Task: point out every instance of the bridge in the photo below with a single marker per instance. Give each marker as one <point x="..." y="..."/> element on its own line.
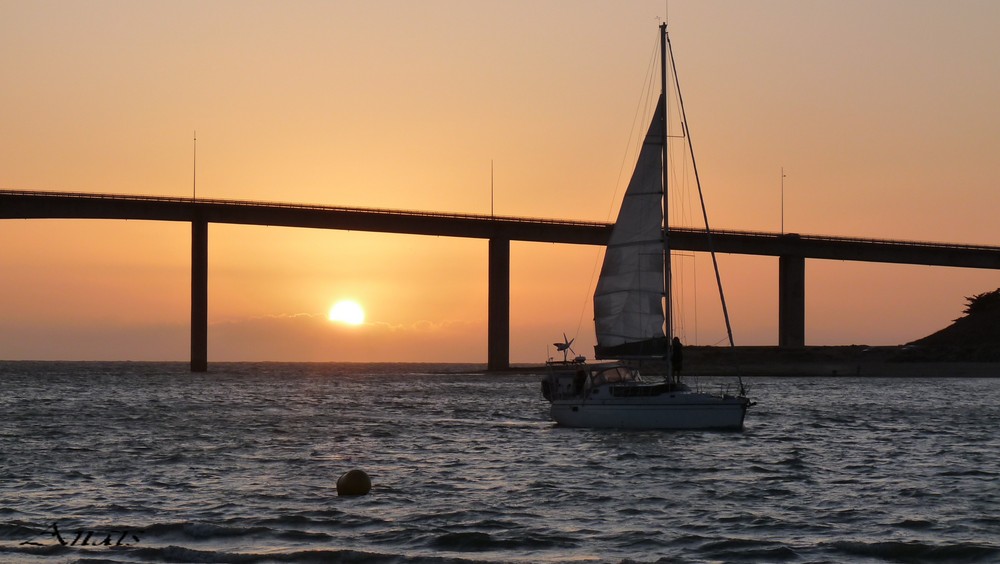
<point x="791" y="249"/>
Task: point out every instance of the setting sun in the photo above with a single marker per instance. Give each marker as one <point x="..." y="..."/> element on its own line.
<point x="348" y="312"/>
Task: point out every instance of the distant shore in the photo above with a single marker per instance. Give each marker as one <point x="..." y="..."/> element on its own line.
<point x="824" y="361"/>
<point x="854" y="360"/>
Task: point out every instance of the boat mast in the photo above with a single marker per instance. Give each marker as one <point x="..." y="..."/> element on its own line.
<point x="668" y="307"/>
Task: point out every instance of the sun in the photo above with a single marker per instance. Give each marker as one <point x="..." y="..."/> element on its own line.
<point x="348" y="312"/>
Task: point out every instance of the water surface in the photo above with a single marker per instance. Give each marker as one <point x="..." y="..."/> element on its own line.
<point x="240" y="465"/>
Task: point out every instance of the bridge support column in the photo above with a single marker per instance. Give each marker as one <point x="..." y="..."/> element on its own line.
<point x="791" y="301"/>
<point x="199" y="295"/>
<point x="498" y="332"/>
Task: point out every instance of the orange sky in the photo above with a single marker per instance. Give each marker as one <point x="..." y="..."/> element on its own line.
<point x="883" y="114"/>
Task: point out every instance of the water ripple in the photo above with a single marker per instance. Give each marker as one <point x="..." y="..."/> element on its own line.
<point x="240" y="465"/>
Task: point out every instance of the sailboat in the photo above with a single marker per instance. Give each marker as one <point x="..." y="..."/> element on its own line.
<point x="632" y="318"/>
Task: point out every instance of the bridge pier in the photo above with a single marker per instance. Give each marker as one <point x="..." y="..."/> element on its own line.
<point x="498" y="322"/>
<point x="199" y="295"/>
<point x="791" y="301"/>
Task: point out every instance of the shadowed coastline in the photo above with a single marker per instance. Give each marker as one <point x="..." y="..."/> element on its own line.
<point x="854" y="360"/>
<point x="969" y="347"/>
<point x="851" y="360"/>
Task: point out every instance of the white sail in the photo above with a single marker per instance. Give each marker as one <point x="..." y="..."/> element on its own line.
<point x="628" y="301"/>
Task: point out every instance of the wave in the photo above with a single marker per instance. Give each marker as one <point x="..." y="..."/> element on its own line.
<point x="239" y="465"/>
<point x="174" y="553"/>
<point x="748" y="551"/>
<point x="477" y="541"/>
<point x="915" y="551"/>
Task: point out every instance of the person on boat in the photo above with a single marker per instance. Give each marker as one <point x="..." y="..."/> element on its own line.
<point x="676" y="358"/>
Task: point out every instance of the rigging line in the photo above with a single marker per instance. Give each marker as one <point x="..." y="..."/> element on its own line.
<point x="683" y="213"/>
<point x="668" y="307"/>
<point x="642" y="104"/>
<point x="681" y="207"/>
<point x="701" y="196"/>
<point x="694" y="268"/>
<point x="681" y="198"/>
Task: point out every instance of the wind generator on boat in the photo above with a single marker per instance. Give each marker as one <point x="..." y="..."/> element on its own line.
<point x="632" y="313"/>
<point x="566" y="347"/>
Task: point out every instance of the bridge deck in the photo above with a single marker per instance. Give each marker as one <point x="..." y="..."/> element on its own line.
<point x="67" y="205"/>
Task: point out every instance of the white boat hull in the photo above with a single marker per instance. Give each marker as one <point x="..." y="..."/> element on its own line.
<point x="687" y="410"/>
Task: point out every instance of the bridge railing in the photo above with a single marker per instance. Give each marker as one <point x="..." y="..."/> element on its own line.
<point x="839" y="239"/>
<point x="299" y="206"/>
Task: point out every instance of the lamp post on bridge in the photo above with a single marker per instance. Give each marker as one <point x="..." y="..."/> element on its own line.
<point x="782" y="200"/>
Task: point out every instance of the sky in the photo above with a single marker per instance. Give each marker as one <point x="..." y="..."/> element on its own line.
<point x="881" y="113"/>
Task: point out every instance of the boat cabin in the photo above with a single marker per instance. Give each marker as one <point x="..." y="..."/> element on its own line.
<point x="602" y="381"/>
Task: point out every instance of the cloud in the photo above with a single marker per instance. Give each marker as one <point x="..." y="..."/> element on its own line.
<point x="311" y="337"/>
<point x="94" y="342"/>
<point x="298" y="337"/>
<point x="303" y="337"/>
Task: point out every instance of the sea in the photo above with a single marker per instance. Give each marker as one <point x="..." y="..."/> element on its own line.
<point x="148" y="462"/>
